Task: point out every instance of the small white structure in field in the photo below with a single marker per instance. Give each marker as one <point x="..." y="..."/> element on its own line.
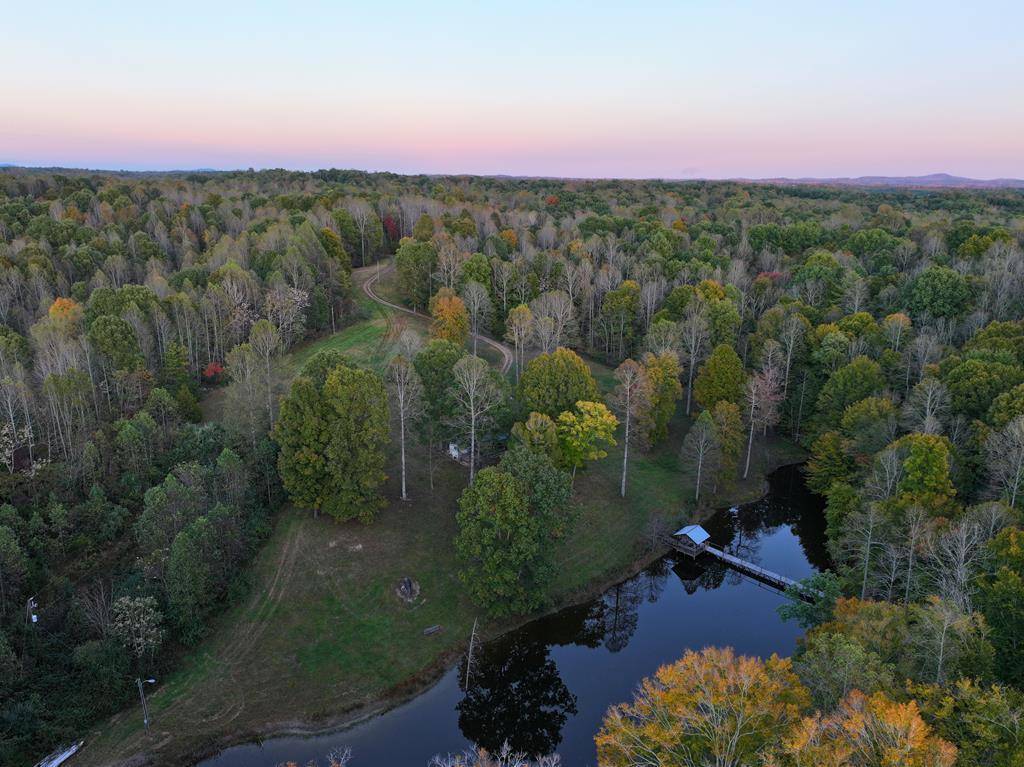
<point x="458" y="453"/>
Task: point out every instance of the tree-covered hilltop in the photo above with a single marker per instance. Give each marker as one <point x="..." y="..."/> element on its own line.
<point x="881" y="329"/>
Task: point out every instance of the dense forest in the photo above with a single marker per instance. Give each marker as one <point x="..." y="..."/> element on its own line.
<point x="879" y="329"/>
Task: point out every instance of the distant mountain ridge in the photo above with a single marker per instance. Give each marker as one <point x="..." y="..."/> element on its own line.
<point x="930" y="181"/>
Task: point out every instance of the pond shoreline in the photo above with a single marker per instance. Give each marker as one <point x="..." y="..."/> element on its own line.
<point x="429" y="676"/>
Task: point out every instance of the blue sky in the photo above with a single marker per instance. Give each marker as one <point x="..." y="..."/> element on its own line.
<point x="583" y="89"/>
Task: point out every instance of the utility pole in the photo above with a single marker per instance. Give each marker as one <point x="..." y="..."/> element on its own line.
<point x="145" y="706"/>
<point x="469" y="656"/>
<point x="30" y="611"/>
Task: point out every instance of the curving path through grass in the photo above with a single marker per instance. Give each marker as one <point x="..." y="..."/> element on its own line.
<point x="505" y="351"/>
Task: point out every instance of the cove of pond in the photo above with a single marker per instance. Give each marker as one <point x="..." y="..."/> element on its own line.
<point x="545" y="687"/>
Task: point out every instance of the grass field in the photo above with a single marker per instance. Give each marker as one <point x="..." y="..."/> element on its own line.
<point x="323" y="634"/>
<point x="368" y="340"/>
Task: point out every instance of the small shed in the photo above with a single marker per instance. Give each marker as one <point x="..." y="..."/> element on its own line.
<point x="692" y="539"/>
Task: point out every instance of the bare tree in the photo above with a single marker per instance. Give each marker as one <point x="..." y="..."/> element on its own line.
<point x="695" y="338"/>
<point x="915" y="528"/>
<point x="856" y="295"/>
<point x="266" y="345"/>
<point x="890" y="567"/>
<point x="17" y="430"/>
<point x="361" y="213"/>
<point x="477" y="393"/>
<point x="955" y="557"/>
<point x="478" y="304"/>
<point x="701" y="450"/>
<point x="555" y="324"/>
<point x="544" y="335"/>
<point x="862" y="536"/>
<point x="895" y="327"/>
<point x="762" y="405"/>
<point x="927" y="407"/>
<point x="923" y="351"/>
<point x="407" y="395"/>
<point x="991" y="517"/>
<point x="943" y="634"/>
<point x="96" y="602"/>
<point x="504" y="757"/>
<point x="286" y="307"/>
<point x="519" y="329"/>
<point x="651" y="294"/>
<point x="791" y="337"/>
<point x="632" y="400"/>
<point x="885" y="475"/>
<point x="449" y="264"/>
<point x="1005" y="450"/>
<point x="408" y="344"/>
<point x="663" y="337"/>
<point x="502" y="274"/>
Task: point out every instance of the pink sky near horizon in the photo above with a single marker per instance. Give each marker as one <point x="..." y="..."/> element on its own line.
<point x="812" y="93"/>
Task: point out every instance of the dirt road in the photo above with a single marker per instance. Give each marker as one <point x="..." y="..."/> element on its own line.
<point x="505" y="351"/>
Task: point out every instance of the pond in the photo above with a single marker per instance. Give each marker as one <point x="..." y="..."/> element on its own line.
<point x="545" y="687"/>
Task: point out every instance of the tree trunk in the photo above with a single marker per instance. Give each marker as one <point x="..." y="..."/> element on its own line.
<point x="401" y="429"/>
<point x="750" y="442"/>
<point x="270" y="395"/>
<point x="910" y="572"/>
<point x="700" y="465"/>
<point x="800" y="410"/>
<point x="942" y="651"/>
<point x="689" y="384"/>
<point x="472" y="447"/>
<point x="867" y="556"/>
<point x="785" y="381"/>
<point x="625" y="454"/>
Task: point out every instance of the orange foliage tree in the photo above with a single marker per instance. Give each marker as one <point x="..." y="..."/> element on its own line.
<point x="710" y="707"/>
<point x="451" y="320"/>
<point x="65" y="311"/>
<point x="865" y="732"/>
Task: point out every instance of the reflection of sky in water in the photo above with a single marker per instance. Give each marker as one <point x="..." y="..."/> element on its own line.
<point x="550" y="683"/>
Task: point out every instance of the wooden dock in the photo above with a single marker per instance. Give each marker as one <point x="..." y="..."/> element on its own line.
<point x="758" y="573"/>
<point x="781" y="582"/>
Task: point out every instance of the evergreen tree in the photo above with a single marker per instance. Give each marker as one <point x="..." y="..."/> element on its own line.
<point x="720" y="378"/>
<point x="554" y="383"/>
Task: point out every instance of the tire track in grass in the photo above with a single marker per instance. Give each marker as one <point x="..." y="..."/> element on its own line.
<point x="248" y="632"/>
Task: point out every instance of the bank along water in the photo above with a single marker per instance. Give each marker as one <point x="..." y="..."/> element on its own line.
<point x="546" y="686"/>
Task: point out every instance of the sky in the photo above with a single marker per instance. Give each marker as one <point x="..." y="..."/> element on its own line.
<point x="582" y="89"/>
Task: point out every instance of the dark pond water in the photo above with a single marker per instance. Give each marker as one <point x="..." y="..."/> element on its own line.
<point x="546" y="687"/>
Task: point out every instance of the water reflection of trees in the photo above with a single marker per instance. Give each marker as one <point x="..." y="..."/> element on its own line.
<point x="515" y="694"/>
<point x="788" y="502"/>
<point x="708" y="574"/>
<point x="740" y="531"/>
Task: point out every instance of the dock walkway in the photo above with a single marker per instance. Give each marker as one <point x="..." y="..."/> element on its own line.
<point x="775" y="580"/>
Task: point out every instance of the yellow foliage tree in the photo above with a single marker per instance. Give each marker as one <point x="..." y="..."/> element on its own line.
<point x="710" y="707"/>
<point x="584" y="432"/>
<point x="663" y="370"/>
<point x="451" y="320"/>
<point x="510" y="238"/>
<point x="865" y="732"/>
